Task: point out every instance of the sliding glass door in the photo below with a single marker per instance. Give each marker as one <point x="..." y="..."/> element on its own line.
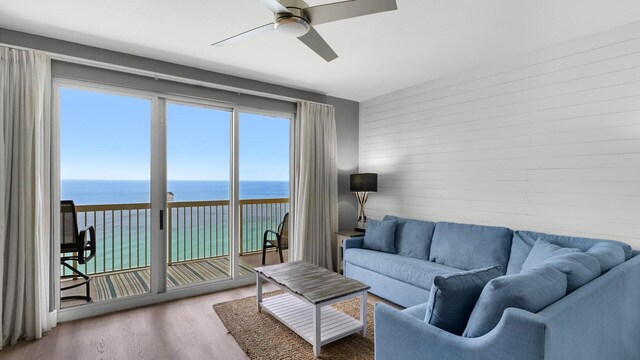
<point x="178" y="191"/>
<point x="198" y="197"/>
<point x="264" y="142"/>
<point x="104" y="185"/>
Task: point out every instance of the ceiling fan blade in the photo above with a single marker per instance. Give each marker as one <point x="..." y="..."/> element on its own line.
<point x="316" y="43"/>
<point x="348" y="9"/>
<point x="259" y="30"/>
<point x="275" y="6"/>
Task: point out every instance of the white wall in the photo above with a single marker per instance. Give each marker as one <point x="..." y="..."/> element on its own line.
<point x="548" y="142"/>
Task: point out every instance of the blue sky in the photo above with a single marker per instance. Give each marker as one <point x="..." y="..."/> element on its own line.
<point x="107" y="137"/>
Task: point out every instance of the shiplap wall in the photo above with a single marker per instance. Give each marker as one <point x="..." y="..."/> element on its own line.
<point x="547" y="142"/>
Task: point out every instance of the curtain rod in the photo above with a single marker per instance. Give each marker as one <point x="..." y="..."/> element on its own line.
<point x="315" y="102"/>
<point x="158" y="76"/>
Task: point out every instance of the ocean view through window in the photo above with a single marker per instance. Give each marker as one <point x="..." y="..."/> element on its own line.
<point x="105" y="165"/>
<point x="91" y="192"/>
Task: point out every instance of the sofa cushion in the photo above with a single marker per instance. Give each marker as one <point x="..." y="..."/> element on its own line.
<point x="413" y="237"/>
<point x="531" y="290"/>
<point x="542" y="251"/>
<point x="470" y="247"/>
<point x="380" y="236"/>
<point x="417" y="311"/>
<point x="453" y="297"/>
<point x="523" y="242"/>
<point x="608" y="254"/>
<point x="580" y="268"/>
<point x="416" y="272"/>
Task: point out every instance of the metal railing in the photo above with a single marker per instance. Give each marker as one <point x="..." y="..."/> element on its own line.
<point x="196" y="230"/>
<point x="257" y="216"/>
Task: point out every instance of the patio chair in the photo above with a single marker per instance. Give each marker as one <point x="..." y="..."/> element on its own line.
<point x="280" y="242"/>
<point x="75" y="242"/>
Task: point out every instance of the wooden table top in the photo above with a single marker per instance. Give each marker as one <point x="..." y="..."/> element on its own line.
<point x="314" y="283"/>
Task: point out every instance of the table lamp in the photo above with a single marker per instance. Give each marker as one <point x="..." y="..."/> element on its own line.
<point x="362" y="185"/>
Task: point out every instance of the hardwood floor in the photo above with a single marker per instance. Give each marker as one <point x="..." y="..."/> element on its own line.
<point x="181" y="329"/>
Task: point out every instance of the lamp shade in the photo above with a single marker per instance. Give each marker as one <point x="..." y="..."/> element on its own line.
<point x="364" y="183"/>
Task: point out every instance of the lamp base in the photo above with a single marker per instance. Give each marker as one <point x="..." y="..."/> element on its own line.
<point x="362" y="218"/>
<point x="361" y="225"/>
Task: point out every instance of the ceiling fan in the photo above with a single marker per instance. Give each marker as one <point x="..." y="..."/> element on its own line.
<point x="296" y="18"/>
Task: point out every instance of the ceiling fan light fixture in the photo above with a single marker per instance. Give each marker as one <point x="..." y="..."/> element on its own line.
<point x="293" y="26"/>
<point x="297" y="19"/>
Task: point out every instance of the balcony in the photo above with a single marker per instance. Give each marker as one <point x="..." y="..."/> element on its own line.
<point x="198" y="243"/>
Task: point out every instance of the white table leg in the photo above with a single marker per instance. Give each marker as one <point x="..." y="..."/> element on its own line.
<point x="317" y="319"/>
<point x="363" y="312"/>
<point x="259" y="288"/>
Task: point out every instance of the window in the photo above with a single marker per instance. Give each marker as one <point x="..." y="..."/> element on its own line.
<point x="176" y="196"/>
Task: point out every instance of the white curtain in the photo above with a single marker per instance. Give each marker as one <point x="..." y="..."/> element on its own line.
<point x="24" y="196"/>
<point x="315" y="184"/>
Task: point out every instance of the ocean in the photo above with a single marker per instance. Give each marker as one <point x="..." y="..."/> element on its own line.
<point x="89" y="192"/>
<point x="123" y="233"/>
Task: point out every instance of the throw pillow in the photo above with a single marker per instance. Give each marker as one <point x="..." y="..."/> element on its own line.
<point x="453" y="297"/>
<point x="413" y="237"/>
<point x="468" y="246"/>
<point x="608" y="254"/>
<point x="380" y="236"/>
<point x="542" y="251"/>
<point x="531" y="290"/>
<point x="580" y="268"/>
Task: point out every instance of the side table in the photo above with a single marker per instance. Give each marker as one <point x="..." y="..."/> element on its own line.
<point x="341" y="236"/>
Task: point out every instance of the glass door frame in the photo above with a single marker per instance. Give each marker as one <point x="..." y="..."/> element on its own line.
<point x="234" y="178"/>
<point x="291" y="117"/>
<point x="158" y="197"/>
<point x="211" y="105"/>
<point x="58" y="83"/>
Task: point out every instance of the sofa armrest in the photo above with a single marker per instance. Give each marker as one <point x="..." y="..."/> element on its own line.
<point x="600" y="320"/>
<point x="353" y="243"/>
<point x="519" y="335"/>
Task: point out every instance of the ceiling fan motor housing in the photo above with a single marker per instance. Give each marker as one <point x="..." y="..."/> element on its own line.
<point x="296" y="23"/>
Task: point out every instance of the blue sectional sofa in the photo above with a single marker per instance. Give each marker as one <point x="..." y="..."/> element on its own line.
<point x="599" y="320"/>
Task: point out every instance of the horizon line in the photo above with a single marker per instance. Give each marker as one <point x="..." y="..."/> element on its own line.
<point x="171" y="180"/>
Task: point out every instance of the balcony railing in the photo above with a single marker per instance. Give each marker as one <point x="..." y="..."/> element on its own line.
<point x="196" y="230"/>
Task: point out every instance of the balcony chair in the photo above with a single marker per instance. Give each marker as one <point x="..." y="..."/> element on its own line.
<point x="280" y="242"/>
<point x="75" y="242"/>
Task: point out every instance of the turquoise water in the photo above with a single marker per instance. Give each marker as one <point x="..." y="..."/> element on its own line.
<point x="123" y="237"/>
<point x="85" y="192"/>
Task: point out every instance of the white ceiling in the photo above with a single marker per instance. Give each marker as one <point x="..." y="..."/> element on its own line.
<point x="422" y="41"/>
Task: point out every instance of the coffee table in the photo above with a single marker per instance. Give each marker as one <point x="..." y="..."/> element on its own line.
<point x="309" y="289"/>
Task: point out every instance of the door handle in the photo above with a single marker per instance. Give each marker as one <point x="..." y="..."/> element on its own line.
<point x="161" y="219"/>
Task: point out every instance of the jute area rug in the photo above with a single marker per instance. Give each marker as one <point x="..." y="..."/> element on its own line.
<point x="263" y="337"/>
